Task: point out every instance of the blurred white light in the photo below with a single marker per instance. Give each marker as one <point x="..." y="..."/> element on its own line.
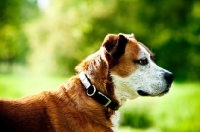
<point x="43" y="4"/>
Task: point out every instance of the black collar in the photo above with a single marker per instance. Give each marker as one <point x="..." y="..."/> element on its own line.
<point x="96" y="94"/>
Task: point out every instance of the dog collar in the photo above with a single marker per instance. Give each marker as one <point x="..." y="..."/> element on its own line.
<point x="96" y="94"/>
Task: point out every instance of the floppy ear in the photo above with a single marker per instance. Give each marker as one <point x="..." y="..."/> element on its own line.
<point x="114" y="46"/>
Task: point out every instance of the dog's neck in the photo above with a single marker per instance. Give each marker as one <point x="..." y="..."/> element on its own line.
<point x="96" y="69"/>
<point x="97" y="95"/>
<point x="121" y="92"/>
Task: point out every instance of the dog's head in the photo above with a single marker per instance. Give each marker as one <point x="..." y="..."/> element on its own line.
<point x="132" y="68"/>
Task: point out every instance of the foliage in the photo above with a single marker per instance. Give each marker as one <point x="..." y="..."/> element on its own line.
<point x="13" y="42"/>
<point x="136" y="117"/>
<point x="63" y="34"/>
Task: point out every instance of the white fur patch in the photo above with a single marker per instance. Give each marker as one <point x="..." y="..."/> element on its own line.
<point x="115" y="120"/>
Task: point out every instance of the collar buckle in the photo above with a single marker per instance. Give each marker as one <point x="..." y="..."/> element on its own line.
<point x="108" y="100"/>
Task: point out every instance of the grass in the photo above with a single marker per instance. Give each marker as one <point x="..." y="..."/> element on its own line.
<point x="15" y="86"/>
<point x="177" y="111"/>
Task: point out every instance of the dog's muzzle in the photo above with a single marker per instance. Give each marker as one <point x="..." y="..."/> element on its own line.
<point x="169" y="77"/>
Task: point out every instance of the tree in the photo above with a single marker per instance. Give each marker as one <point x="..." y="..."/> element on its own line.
<point x="13" y="42"/>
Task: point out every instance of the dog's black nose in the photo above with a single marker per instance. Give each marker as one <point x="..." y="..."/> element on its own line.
<point x="169" y="77"/>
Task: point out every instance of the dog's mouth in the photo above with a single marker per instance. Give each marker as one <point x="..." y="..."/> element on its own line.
<point x="144" y="93"/>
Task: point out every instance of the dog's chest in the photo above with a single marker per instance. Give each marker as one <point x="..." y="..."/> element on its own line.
<point x="115" y="120"/>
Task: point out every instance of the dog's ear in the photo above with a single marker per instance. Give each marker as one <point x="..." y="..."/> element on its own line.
<point x="114" y="45"/>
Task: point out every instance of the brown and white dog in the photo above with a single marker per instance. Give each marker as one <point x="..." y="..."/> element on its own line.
<point x="122" y="69"/>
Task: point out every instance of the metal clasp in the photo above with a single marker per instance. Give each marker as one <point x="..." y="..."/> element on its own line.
<point x="91" y="90"/>
<point x="108" y="102"/>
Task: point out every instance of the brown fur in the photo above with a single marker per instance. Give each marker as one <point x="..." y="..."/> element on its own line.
<point x="68" y="108"/>
<point x="126" y="66"/>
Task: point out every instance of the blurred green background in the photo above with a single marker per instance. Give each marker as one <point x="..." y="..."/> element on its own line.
<point x="41" y="41"/>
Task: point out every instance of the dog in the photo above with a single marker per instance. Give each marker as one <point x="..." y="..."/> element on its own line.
<point x="121" y="69"/>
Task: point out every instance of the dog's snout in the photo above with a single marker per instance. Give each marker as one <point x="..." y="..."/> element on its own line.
<point x="169" y="77"/>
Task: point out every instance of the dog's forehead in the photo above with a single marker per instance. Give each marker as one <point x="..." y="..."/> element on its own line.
<point x="146" y="50"/>
<point x="141" y="47"/>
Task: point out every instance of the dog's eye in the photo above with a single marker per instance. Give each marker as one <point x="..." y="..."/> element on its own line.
<point x="142" y="61"/>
